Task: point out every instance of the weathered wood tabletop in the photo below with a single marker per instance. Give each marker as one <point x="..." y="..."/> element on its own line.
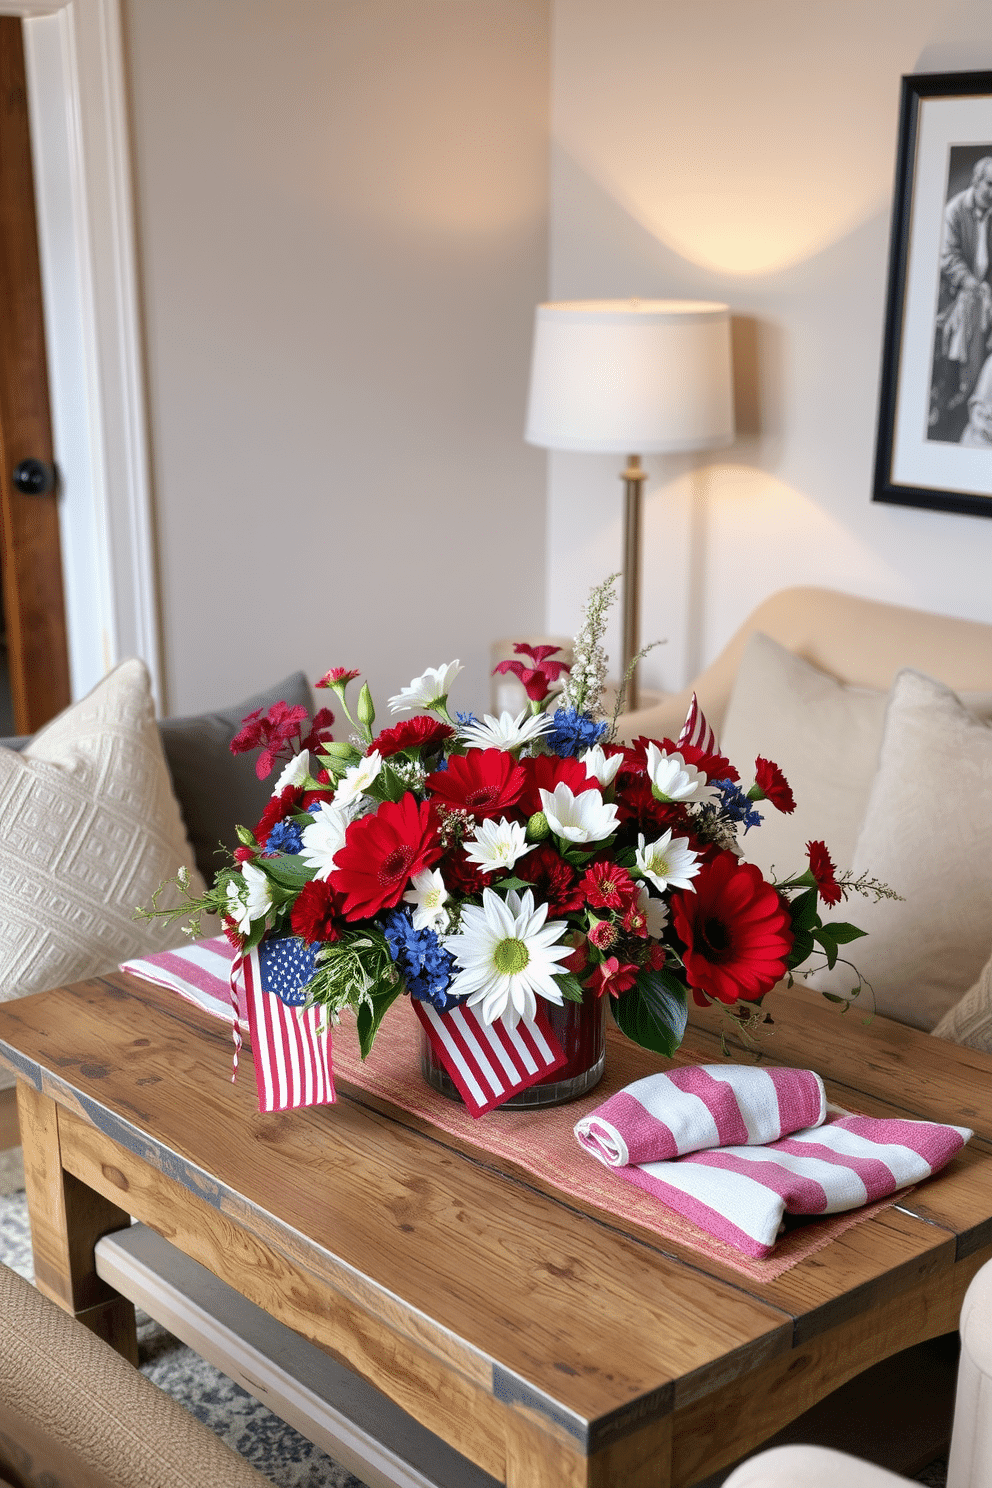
<point x="547" y="1344"/>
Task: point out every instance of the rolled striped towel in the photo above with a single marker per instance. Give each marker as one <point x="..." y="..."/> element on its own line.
<point x="742" y="1194"/>
<point x="699" y="1106"/>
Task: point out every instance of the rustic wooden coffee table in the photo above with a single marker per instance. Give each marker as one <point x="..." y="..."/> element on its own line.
<point x="544" y="1343"/>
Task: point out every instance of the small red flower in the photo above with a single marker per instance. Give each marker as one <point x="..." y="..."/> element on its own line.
<point x="608" y="886"/>
<point x="486" y="782"/>
<point x="538" y="677"/>
<point x="320" y="730"/>
<point x="244" y="854"/>
<point x="234" y="937"/>
<point x="381" y="854"/>
<point x="317" y="913"/>
<point x="736" y="931"/>
<point x="421" y="733"/>
<point x="337" y="676"/>
<point x="274" y="732"/>
<point x="603" y="935"/>
<point x="823" y="870"/>
<point x="773" y="786"/>
<point x="612" y="976"/>
<point x="555" y="883"/>
<point x="579" y="959"/>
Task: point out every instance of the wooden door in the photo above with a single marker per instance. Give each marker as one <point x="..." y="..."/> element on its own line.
<point x="30" y="554"/>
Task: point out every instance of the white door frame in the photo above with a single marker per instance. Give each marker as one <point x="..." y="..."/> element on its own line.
<point x="75" y="74"/>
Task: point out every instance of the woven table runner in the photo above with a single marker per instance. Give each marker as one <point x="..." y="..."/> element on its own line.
<point x="540" y="1144"/>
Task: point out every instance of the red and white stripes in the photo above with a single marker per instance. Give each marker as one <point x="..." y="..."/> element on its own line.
<point x="490" y="1062"/>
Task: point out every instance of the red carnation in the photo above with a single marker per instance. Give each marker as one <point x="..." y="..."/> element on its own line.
<point x="603" y="935"/>
<point x="773" y="786"/>
<point x="336" y="676"/>
<point x="608" y="886"/>
<point x="421" y="733"/>
<point x="462" y="876"/>
<point x="316" y="915"/>
<point x="735" y="929"/>
<point x="555" y="883"/>
<point x="544" y="772"/>
<point x="612" y="976"/>
<point x="823" y="870"/>
<point x="277" y="808"/>
<point x="381" y="854"/>
<point x="486" y="782"/>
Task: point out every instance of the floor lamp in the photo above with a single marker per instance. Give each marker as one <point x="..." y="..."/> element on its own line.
<point x="614" y="376"/>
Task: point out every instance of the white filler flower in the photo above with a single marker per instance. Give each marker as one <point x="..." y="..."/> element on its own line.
<point x="600" y="766"/>
<point x="427" y="896"/>
<point x="250" y="899"/>
<point x="507" y="956"/>
<point x="428" y="691"/>
<point x="324" y="838"/>
<point x="582" y="818"/>
<point x="506" y="732"/>
<point x="294" y="773"/>
<point x="668" y="864"/>
<point x="497" y="844"/>
<point x="356" y="781"/>
<point x="674" y="780"/>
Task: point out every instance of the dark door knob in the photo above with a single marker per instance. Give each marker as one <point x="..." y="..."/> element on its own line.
<point x="34" y="477"/>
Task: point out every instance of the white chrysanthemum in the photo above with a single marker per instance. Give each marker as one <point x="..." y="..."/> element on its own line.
<point x="250" y="899"/>
<point x="428" y="896"/>
<point x="582" y="818"/>
<point x="294" y="773"/>
<point x="507" y="956"/>
<point x="655" y="912"/>
<point x="600" y="766"/>
<point x="497" y="844"/>
<point x="324" y="838"/>
<point x="506" y="732"/>
<point x="674" y="780"/>
<point x="668" y="863"/>
<point x="427" y="691"/>
<point x="356" y="780"/>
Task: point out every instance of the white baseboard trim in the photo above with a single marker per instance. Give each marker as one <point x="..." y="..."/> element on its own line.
<point x="353" y="1422"/>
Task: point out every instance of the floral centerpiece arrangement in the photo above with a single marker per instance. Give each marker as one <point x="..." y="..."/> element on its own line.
<point x="511" y="863"/>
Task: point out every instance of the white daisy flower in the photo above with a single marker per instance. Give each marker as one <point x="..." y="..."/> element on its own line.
<point x="356" y="780"/>
<point x="294" y="773"/>
<point x="668" y="864"/>
<point x="428" y="691"/>
<point x="324" y="838"/>
<point x="497" y="844"/>
<point x="674" y="780"/>
<point x="250" y="899"/>
<point x="506" y="732"/>
<point x="655" y="912"/>
<point x="600" y="766"/>
<point x="582" y="818"/>
<point x="427" y="896"/>
<point x="507" y="955"/>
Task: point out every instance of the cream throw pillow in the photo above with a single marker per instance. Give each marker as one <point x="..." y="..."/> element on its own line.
<point x="89" y="827"/>
<point x="970" y="1020"/>
<point x="926" y="833"/>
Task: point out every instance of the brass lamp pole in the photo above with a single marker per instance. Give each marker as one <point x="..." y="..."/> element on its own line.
<point x="633" y="484"/>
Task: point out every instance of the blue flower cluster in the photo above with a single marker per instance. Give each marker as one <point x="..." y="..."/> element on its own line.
<point x="423" y="962"/>
<point x="285" y="837"/>
<point x="573" y="732"/>
<point x="735" y="805"/>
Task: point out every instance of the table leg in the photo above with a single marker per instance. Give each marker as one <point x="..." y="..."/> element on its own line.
<point x="537" y="1457"/>
<point x="67" y="1219"/>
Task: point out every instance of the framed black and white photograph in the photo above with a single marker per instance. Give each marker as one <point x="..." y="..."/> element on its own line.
<point x="934" y="445"/>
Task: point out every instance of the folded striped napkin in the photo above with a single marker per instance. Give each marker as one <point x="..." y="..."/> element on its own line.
<point x="200" y="972"/>
<point x="698" y="1106"/>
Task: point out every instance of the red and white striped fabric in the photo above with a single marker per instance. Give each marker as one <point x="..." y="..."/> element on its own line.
<point x="291" y="1046"/>
<point x="200" y="972"/>
<point x="742" y="1194"/>
<point x="697" y="731"/>
<point x="490" y="1062"/>
<point x="699" y="1106"/>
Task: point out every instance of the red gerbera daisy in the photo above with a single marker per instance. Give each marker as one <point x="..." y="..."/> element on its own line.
<point x="773" y="786"/>
<point x="608" y="886"/>
<point x="381" y="854"/>
<point x="486" y="782"/>
<point x="555" y="883"/>
<point x="422" y="732"/>
<point x="822" y="868"/>
<point x="544" y="772"/>
<point x="316" y="915"/>
<point x="735" y="929"/>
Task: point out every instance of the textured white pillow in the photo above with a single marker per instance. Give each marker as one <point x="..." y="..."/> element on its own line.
<point x="926" y="833"/>
<point x="89" y="827"/>
<point x="970" y="1020"/>
<point x="825" y="737"/>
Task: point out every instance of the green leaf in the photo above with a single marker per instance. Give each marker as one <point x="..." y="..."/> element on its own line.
<point x="832" y="997"/>
<point x="803" y="912"/>
<point x="802" y="949"/>
<point x="513" y="883"/>
<point x="654" y="1012"/>
<point x="824" y="939"/>
<point x="369" y="1018"/>
<point x="287" y="869"/>
<point x="569" y="987"/>
<point x="842" y="932"/>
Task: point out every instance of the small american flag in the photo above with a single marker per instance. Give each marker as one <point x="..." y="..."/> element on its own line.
<point x="697" y="731"/>
<point x="291" y="1045"/>
<point x="490" y="1062"/>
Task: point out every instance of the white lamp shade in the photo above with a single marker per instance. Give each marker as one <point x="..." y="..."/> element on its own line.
<point x="631" y="376"/>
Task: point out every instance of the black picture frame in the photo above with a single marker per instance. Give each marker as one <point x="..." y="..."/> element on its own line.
<point x="945" y="129"/>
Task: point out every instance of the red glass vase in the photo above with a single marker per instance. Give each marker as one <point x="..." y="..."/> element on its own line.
<point x="580" y="1028"/>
